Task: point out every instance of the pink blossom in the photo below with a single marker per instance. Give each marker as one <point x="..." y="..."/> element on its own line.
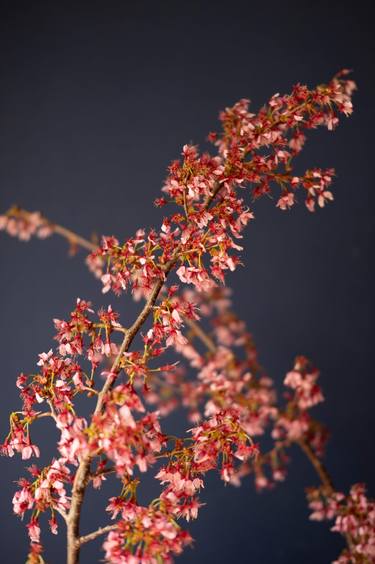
<point x="286" y="202"/>
<point x="34" y="530"/>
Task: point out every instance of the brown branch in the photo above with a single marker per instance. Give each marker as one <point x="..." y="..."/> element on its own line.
<point x="97" y="533"/>
<point x="72" y="237"/>
<point x="61" y="512"/>
<point x="325" y="478"/>
<point x="198" y="332"/>
<point x="103" y="472"/>
<point x="212" y="196"/>
<point x="321" y="470"/>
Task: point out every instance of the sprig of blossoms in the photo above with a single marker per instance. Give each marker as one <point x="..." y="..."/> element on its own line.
<point x="230" y="376"/>
<point x="294" y="422"/>
<point x="279" y="128"/>
<point x="200" y="238"/>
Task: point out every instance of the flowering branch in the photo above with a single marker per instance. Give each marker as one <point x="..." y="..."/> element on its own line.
<point x="230" y="401"/>
<point x="82" y="474"/>
<point x="81" y="477"/>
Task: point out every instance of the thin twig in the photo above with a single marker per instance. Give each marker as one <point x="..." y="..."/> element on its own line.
<point x="198" y="332"/>
<point x="103" y="472"/>
<point x="61" y="512"/>
<point x="321" y="470"/>
<point x="67" y="234"/>
<point x="97" y="533"/>
<point x="73" y="237"/>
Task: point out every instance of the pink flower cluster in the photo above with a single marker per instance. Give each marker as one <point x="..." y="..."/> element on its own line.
<point x="144" y="535"/>
<point x="200" y="238"/>
<point x="307" y="392"/>
<point x="47" y="490"/>
<point x="24" y="225"/>
<point x="280" y="127"/>
<point x="354" y="516"/>
<point x="121" y="438"/>
<point x="294" y="422"/>
<point x="148" y="534"/>
<point x="236" y="381"/>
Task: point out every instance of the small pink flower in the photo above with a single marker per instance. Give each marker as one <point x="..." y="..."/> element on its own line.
<point x="34" y="530"/>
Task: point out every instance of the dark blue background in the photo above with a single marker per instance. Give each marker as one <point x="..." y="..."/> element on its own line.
<point x="96" y="99"/>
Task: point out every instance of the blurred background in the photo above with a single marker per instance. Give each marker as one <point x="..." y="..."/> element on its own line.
<point x="96" y="99"/>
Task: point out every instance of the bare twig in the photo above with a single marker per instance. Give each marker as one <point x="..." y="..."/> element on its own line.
<point x="97" y="533"/>
<point x="321" y="470"/>
<point x="198" y="332"/>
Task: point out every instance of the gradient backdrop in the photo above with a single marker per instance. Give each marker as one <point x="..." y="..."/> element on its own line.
<point x="96" y="99"/>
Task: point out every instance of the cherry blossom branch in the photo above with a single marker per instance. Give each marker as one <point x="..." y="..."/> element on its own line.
<point x="82" y="477"/>
<point x="83" y="473"/>
<point x="202" y="237"/>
